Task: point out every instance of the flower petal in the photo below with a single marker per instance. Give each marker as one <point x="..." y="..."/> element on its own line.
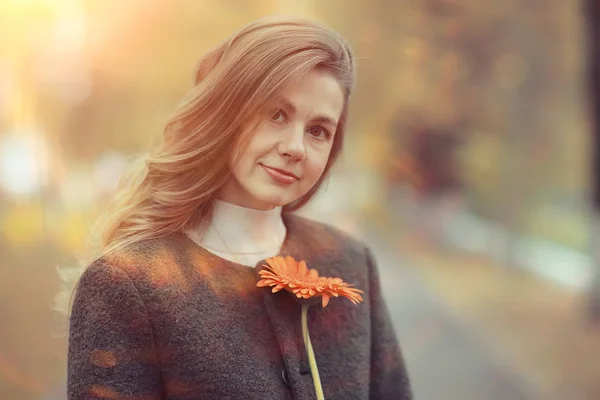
<point x="264" y="272"/>
<point x="302" y="269"/>
<point x="325" y="299"/>
<point x="278" y="288"/>
<point x="271" y="264"/>
<point x="279" y="267"/>
<point x="291" y="265"/>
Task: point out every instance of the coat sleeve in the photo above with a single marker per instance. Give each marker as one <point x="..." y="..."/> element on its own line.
<point x="389" y="378"/>
<point x="112" y="351"/>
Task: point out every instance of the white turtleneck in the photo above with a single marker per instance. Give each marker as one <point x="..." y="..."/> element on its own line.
<point x="242" y="235"/>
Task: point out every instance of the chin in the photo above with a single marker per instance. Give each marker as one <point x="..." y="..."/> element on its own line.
<point x="270" y="202"/>
<point x="272" y="199"/>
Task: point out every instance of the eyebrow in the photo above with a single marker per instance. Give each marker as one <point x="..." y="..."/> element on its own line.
<point x="320" y="118"/>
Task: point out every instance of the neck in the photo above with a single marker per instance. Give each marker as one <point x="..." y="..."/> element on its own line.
<point x="240" y="231"/>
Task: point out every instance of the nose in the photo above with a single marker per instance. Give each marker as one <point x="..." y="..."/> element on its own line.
<point x="291" y="145"/>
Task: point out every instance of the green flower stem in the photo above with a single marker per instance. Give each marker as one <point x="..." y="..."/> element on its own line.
<point x="311" y="354"/>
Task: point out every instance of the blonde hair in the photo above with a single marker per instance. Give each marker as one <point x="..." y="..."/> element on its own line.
<point x="173" y="187"/>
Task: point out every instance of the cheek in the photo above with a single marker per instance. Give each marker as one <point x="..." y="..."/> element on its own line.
<point x="239" y="171"/>
<point x="243" y="164"/>
<point x="316" y="165"/>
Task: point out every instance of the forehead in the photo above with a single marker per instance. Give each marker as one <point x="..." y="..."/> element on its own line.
<point x="317" y="92"/>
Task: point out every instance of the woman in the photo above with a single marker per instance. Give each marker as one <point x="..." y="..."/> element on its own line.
<point x="171" y="309"/>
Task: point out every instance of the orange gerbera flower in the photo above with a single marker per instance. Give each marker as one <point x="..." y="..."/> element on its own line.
<point x="294" y="276"/>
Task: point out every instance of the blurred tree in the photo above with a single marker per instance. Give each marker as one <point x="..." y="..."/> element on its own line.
<point x="478" y="69"/>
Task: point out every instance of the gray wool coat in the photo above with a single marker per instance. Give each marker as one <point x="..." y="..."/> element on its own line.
<point x="167" y="319"/>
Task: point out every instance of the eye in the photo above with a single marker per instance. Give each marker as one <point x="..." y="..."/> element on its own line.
<point x="278" y="116"/>
<point x="319" y="132"/>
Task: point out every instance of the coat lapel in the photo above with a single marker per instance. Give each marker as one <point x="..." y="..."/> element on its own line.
<point x="284" y="311"/>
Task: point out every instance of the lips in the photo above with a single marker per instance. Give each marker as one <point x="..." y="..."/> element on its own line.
<point x="284" y="172"/>
<point x="280" y="175"/>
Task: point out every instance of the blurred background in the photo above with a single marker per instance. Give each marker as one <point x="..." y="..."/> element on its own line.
<point x="469" y="168"/>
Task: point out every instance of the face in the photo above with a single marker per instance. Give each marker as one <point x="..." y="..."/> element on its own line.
<point x="289" y="149"/>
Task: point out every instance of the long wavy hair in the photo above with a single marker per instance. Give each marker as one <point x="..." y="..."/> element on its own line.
<point x="173" y="186"/>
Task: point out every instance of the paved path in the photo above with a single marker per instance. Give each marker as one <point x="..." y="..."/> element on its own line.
<point x="445" y="361"/>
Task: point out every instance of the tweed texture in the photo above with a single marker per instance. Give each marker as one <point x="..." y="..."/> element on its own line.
<point x="166" y="319"/>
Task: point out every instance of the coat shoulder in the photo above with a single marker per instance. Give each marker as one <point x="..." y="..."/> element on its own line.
<point x="327" y="231"/>
<point x="144" y="259"/>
